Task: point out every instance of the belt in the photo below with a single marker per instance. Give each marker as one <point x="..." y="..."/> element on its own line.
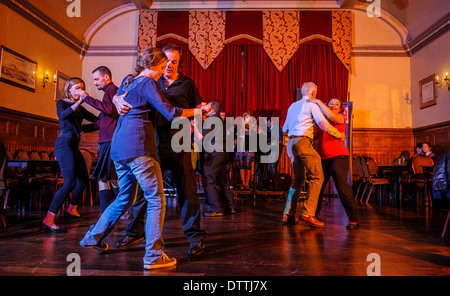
<point x="70" y="135"/>
<point x="295" y="137"/>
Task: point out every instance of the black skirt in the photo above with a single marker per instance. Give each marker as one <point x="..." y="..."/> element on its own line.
<point x="105" y="166"/>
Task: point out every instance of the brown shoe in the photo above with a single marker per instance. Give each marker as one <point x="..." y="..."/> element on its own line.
<point x="312" y="221"/>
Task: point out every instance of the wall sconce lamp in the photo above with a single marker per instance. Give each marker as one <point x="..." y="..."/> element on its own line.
<point x="408" y="99"/>
<point x="443" y="83"/>
<point x="46" y="79"/>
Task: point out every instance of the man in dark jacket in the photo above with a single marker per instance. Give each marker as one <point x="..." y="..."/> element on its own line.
<point x="441" y="178"/>
<point x="215" y="172"/>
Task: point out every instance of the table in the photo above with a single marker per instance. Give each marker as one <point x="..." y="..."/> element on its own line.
<point x="395" y="172"/>
<point x="32" y="164"/>
<point x="28" y="167"/>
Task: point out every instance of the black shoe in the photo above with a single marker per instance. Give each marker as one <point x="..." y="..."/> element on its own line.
<point x="128" y="240"/>
<point x="196" y="249"/>
<point x="101" y="246"/>
<point x="44" y="228"/>
<point x="353" y="225"/>
<point x="291" y="220"/>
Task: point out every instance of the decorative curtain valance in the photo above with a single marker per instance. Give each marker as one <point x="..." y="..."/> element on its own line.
<point x="281" y="32"/>
<point x="342" y="36"/>
<point x="281" y="35"/>
<point x="206" y="35"/>
<point x="148" y="25"/>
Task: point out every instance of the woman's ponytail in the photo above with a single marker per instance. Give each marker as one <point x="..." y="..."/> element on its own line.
<point x="149" y="57"/>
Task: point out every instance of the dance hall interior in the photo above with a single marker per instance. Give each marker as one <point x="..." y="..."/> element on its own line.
<point x="214" y="140"/>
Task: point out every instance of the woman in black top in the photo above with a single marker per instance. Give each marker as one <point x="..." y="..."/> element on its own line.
<point x="67" y="152"/>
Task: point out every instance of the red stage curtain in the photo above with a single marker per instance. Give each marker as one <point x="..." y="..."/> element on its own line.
<point x="267" y="89"/>
<point x="243" y="78"/>
<point x="222" y="80"/>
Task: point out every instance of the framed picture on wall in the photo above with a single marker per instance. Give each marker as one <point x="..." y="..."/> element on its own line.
<point x="17" y="70"/>
<point x="427" y="91"/>
<point x="61" y="80"/>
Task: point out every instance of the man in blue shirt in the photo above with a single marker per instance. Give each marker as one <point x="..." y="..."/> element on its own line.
<point x="299" y="125"/>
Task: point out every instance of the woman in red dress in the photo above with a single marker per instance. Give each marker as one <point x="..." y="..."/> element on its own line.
<point x="335" y="160"/>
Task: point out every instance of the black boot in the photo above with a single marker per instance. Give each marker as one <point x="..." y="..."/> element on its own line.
<point x="105" y="197"/>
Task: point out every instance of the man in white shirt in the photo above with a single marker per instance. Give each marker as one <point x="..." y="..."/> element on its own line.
<point x="299" y="126"/>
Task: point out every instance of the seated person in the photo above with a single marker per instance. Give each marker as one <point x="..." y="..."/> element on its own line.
<point x="419" y="148"/>
<point x="402" y="159"/>
<point x="426" y="148"/>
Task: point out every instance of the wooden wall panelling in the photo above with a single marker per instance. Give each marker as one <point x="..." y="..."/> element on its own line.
<point x="382" y="144"/>
<point x="89" y="141"/>
<point x="19" y="130"/>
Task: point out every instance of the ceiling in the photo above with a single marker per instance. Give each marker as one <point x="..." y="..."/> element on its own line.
<point x="414" y="15"/>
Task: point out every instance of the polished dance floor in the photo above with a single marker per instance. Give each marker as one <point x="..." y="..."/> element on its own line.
<point x="251" y="242"/>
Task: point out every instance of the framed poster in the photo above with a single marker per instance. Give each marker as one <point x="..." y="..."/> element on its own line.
<point x="427" y="91"/>
<point x="61" y="80"/>
<point x="17" y="70"/>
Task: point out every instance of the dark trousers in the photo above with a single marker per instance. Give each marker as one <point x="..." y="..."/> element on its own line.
<point x="215" y="174"/>
<point x="73" y="170"/>
<point x="338" y="169"/>
<point x="184" y="178"/>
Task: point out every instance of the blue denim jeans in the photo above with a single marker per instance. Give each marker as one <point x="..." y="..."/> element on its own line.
<point x="146" y="171"/>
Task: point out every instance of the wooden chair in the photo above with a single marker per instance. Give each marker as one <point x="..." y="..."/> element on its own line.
<point x="444" y="231"/>
<point x="370" y="169"/>
<point x="58" y="181"/>
<point x="33" y="154"/>
<point x="43" y="179"/>
<point x="5" y="183"/>
<point x="8" y="154"/>
<point x="45" y="156"/>
<point x="362" y="178"/>
<point x="21" y="154"/>
<point x="89" y="159"/>
<point x="47" y="176"/>
<point x="355" y="175"/>
<point x="421" y="180"/>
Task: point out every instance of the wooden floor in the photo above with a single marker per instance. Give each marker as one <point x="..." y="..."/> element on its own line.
<point x="251" y="242"/>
